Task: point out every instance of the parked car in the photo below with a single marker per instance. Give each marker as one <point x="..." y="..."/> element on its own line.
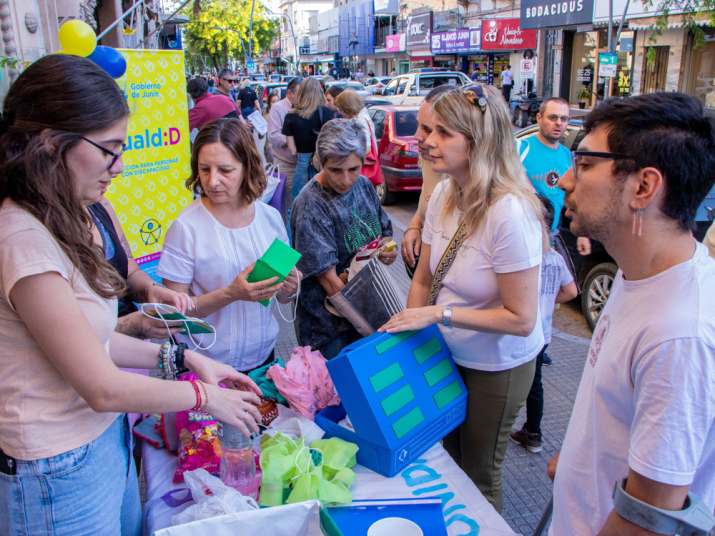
<point x="395" y="128"/>
<point x="357" y="87"/>
<point x="263" y="89"/>
<point x="595" y="273"/>
<point x="411" y="88"/>
<point x="375" y="84"/>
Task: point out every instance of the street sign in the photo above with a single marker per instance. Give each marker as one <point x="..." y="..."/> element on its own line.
<point x="528" y="68"/>
<point x="251" y="65"/>
<point x="607" y="64"/>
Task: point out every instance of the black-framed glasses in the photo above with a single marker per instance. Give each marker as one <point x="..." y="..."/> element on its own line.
<point x="576" y="155"/>
<point x="231" y="80"/>
<point x="115" y="156"/>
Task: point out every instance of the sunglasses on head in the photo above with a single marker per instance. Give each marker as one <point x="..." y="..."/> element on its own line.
<point x="476" y="96"/>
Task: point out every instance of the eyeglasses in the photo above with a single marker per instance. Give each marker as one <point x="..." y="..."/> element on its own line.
<point x="231" y="80"/>
<point x="576" y="155"/>
<point x="475" y="95"/>
<point x="115" y="156"/>
<point x="554" y="118"/>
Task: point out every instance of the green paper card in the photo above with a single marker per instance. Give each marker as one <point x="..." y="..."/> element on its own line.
<point x="278" y="260"/>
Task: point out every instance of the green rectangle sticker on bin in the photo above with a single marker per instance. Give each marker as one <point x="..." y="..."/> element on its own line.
<point x="427" y="350"/>
<point x="386" y="377"/>
<point x="438" y="373"/>
<point x="393" y="341"/>
<point x="397" y="400"/>
<point x="408" y="422"/>
<point x="446" y="395"/>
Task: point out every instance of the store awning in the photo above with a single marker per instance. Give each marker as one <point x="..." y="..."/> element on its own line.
<point x="649" y="23"/>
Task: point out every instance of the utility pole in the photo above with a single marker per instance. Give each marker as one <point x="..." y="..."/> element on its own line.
<point x="250" y="33"/>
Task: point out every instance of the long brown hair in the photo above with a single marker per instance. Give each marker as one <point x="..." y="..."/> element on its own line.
<point x="494" y="166"/>
<point x="237" y="138"/>
<point x="51" y="104"/>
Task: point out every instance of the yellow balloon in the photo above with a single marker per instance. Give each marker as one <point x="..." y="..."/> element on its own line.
<point x="77" y="37"/>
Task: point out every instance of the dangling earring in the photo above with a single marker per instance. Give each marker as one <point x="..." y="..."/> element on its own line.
<point x="637" y="227"/>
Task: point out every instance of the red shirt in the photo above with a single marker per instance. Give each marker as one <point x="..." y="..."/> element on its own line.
<point x="210" y="107"/>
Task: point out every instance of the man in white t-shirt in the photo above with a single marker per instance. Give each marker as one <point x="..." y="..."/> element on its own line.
<point x="507" y="83"/>
<point x="645" y="407"/>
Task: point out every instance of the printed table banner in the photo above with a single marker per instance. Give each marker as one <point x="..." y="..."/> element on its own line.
<point x="506" y="34"/>
<point x="150" y="193"/>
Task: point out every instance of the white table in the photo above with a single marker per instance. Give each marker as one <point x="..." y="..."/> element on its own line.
<point x="434" y="474"/>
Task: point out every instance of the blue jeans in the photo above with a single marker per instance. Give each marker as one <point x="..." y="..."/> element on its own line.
<point x="92" y="489"/>
<point x="304" y="171"/>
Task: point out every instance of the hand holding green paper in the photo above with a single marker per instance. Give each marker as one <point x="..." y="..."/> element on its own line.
<point x="276" y="265"/>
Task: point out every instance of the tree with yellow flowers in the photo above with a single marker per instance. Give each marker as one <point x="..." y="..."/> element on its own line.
<point x="219" y="30"/>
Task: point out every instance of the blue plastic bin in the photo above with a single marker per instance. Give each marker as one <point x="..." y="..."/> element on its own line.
<point x="403" y="393"/>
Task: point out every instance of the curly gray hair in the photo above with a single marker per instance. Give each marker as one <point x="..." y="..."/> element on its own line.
<point x="339" y="138"/>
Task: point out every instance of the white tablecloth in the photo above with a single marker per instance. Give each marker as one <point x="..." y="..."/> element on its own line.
<point x="434" y="474"/>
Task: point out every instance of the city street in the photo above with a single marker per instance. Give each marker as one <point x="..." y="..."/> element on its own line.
<point x="526" y="487"/>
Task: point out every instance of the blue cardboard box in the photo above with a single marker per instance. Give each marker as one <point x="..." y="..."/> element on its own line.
<point x="403" y="393"/>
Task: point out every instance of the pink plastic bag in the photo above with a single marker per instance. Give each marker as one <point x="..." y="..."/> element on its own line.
<point x="199" y="443"/>
<point x="305" y="382"/>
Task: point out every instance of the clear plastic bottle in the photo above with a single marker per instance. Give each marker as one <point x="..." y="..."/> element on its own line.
<point x="238" y="464"/>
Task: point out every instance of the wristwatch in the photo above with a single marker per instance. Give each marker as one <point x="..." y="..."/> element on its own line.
<point x="447" y="316"/>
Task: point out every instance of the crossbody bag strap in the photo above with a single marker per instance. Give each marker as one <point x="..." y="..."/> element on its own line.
<point x="446" y="261"/>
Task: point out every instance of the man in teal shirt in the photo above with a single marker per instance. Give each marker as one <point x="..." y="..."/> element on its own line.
<point x="545" y="159"/>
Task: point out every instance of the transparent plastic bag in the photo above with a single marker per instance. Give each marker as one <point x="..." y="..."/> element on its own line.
<point x="211" y="498"/>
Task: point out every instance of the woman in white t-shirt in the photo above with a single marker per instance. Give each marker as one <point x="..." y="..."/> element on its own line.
<point x="213" y="245"/>
<point x="66" y="463"/>
<point x="487" y="302"/>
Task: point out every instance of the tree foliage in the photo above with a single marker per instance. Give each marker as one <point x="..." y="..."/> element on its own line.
<point x="219" y="30"/>
<point x="693" y="12"/>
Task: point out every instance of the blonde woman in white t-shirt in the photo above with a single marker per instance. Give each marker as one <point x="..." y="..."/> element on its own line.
<point x="66" y="463"/>
<point x="487" y="304"/>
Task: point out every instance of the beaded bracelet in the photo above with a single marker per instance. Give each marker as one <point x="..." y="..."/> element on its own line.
<point x="165" y="364"/>
<point x="179" y="357"/>
<point x="199" y="400"/>
<point x="413" y="228"/>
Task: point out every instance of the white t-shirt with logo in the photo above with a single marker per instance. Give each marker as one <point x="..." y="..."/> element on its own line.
<point x="647" y="396"/>
<point x="509" y="240"/>
<point x="507" y="78"/>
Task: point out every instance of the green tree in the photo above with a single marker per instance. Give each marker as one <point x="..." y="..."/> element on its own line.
<point x="694" y="12"/>
<point x="218" y="29"/>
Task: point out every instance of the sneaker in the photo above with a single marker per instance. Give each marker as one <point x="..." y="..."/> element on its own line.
<point x="532" y="442"/>
<point x="546" y="360"/>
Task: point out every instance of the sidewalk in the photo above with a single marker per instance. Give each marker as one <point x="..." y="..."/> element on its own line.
<point x="526" y="486"/>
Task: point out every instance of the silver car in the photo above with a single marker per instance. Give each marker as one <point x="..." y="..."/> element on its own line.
<point x="411" y="88"/>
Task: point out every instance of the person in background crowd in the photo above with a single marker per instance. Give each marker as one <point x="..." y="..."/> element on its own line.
<point x="484" y="294"/>
<point x="215" y="242"/>
<point x="393" y="72"/>
<point x="65" y="444"/>
<point x="212" y="86"/>
<point x="645" y="407"/>
<point x="301" y="128"/>
<point x="335" y="215"/>
<point x="557" y="286"/>
<point x="545" y="159"/>
<point x="507" y="83"/>
<point x="282" y="156"/>
<point x="273" y="98"/>
<point x="247" y="100"/>
<point x="207" y="107"/>
<point x="475" y="74"/>
<point x="227" y="83"/>
<point x="709" y="240"/>
<point x="331" y="94"/>
<point x="412" y="239"/>
<point x="351" y="106"/>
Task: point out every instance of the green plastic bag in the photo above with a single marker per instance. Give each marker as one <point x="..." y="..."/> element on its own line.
<point x="292" y="472"/>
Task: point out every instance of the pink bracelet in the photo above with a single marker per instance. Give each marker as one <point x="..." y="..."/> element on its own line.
<point x="197" y="392"/>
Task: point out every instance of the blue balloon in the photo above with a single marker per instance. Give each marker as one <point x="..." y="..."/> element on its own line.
<point x="110" y="60"/>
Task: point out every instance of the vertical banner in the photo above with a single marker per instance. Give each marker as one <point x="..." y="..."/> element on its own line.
<point x="150" y="193"/>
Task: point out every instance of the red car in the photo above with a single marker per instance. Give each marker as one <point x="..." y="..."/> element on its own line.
<point x="395" y="128"/>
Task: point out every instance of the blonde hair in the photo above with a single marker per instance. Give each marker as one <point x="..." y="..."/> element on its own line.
<point x="495" y="169"/>
<point x="310" y="96"/>
<point x="349" y="103"/>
